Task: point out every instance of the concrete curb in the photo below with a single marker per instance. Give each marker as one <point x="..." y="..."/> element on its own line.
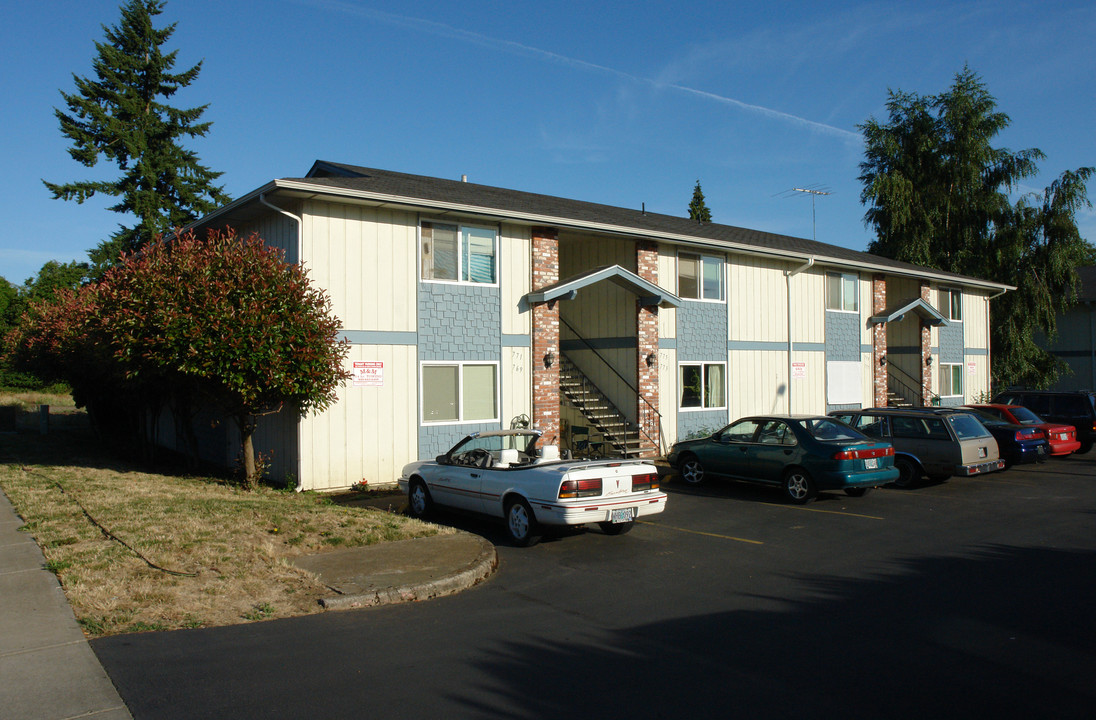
<point x="461" y="578"/>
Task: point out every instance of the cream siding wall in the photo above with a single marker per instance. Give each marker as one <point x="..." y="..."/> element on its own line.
<point x="976" y="337"/>
<point x="367" y="260"/>
<point x="515" y="281"/>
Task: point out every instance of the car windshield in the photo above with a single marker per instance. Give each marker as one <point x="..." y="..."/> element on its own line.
<point x="522" y="442"/>
<point x="966" y="427"/>
<point x="829" y="430"/>
<point x="1025" y="416"/>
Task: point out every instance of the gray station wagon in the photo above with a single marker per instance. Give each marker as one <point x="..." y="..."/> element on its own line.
<point x="936" y="442"/>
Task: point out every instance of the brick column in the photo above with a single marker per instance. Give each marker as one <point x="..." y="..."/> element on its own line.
<point x="647" y="346"/>
<point x="926" y="353"/>
<point x="879" y="341"/>
<point x="546" y="336"/>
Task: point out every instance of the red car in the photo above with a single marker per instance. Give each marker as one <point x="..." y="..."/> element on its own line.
<point x="1062" y="439"/>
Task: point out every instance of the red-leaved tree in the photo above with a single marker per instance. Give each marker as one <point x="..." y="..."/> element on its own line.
<point x="222" y="321"/>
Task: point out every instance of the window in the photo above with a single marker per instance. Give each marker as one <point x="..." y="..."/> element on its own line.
<point x="703" y="386"/>
<point x="951" y="380"/>
<point x="455" y="253"/>
<point x="842" y="292"/>
<point x="951" y="303"/>
<point x="699" y="277"/>
<point x="459" y="392"/>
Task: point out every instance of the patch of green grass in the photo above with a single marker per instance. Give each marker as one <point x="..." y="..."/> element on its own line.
<point x="58" y="566"/>
<point x="260" y="612"/>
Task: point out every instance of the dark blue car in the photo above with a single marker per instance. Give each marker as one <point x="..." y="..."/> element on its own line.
<point x="1018" y="443"/>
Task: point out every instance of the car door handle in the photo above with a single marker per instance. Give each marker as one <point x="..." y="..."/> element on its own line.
<point x="475" y="475"/>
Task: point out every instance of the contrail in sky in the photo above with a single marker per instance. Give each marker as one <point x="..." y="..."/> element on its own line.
<point x="443" y="30"/>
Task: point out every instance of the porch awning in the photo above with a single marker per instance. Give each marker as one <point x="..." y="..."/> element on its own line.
<point x="928" y="314"/>
<point x="649" y="294"/>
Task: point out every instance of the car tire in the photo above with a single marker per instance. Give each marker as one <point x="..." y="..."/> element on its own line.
<point x="521" y="524"/>
<point x="798" y="487"/>
<point x="1085" y="447"/>
<point x="857" y="492"/>
<point x="909" y="474"/>
<point x="616" y="528"/>
<point x="419" y="502"/>
<point x="691" y="470"/>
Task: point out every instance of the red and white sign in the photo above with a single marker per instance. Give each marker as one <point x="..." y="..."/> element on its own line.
<point x="971" y="367"/>
<point x="799" y="370"/>
<point x="368" y="374"/>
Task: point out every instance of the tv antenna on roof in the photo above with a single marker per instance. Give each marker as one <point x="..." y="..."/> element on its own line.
<point x="814" y="191"/>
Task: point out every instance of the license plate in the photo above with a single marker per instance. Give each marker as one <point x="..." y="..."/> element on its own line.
<point x="622" y="515"/>
<point x="982" y="452"/>
<point x="1063" y="436"/>
<point x="871" y="463"/>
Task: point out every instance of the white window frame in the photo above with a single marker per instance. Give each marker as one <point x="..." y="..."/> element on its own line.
<point x="462" y="270"/>
<point x="702" y="259"/>
<point x="951" y="299"/>
<point x="948" y="373"/>
<point x="460" y="365"/>
<point x="843" y="278"/>
<point x="703" y="365"/>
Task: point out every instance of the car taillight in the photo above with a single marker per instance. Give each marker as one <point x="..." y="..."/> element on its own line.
<point x="580" y="488"/>
<point x="1027" y="434"/>
<point x="645" y="482"/>
<point x="864" y="454"/>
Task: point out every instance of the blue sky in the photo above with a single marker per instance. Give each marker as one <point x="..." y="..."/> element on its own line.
<point x="623" y="103"/>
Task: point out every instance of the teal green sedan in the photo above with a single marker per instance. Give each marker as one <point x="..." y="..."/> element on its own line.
<point x="800" y="454"/>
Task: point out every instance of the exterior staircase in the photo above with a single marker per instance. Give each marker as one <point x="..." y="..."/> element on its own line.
<point x="621" y="436"/>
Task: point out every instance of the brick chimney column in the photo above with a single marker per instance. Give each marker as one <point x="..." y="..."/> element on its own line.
<point x="647" y="347"/>
<point x="926" y="353"/>
<point x="879" y="341"/>
<point x="546" y="336"/>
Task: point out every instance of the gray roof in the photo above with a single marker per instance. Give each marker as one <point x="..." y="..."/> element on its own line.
<point x="437" y="194"/>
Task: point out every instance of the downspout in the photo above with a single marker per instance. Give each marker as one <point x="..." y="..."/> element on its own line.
<point x="788" y="278"/>
<point x="989" y="358"/>
<point x="300" y="264"/>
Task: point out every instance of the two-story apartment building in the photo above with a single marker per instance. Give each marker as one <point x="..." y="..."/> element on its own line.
<point x="472" y="307"/>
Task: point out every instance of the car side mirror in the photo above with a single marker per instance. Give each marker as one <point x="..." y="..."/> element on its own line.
<point x="442" y="459"/>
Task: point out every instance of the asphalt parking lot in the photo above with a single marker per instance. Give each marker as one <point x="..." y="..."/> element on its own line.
<point x="968" y="598"/>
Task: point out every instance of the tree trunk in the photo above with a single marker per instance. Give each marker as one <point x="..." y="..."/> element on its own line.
<point x="246" y="424"/>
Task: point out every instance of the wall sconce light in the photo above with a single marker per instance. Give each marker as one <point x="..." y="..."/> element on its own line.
<point x="928" y="361"/>
<point x="549" y="359"/>
<point x="882" y="360"/>
<point x="652" y="360"/>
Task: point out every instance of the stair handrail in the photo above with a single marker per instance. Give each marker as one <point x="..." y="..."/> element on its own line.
<point x="909" y="386"/>
<point x="642" y="426"/>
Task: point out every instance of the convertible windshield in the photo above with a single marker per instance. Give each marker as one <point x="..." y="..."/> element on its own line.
<point x="522" y="442"/>
<point x="829" y="430"/>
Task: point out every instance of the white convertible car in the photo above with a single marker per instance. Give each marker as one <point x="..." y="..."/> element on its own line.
<point x="503" y="474"/>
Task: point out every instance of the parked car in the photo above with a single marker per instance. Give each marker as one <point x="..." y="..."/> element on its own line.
<point x="1061" y="438"/>
<point x="1018" y="443"/>
<point x="801" y="454"/>
<point x="1076" y="408"/>
<point x="935" y="442"/>
<point x="504" y="474"/>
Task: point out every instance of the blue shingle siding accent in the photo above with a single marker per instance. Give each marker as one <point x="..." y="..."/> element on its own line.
<point x="852" y="406"/>
<point x="843" y="336"/>
<point x="951" y="401"/>
<point x="701" y="332"/>
<point x="690" y="422"/>
<point x="459" y="322"/>
<point x="951" y="344"/>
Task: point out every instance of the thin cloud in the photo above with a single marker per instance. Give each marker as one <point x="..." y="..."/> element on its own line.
<point x="448" y="31"/>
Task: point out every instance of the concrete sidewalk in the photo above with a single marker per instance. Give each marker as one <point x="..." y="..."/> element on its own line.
<point x="47" y="668"/>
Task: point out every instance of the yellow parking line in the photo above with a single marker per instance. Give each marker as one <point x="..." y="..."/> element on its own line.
<point x="699" y="532"/>
<point x="828" y="512"/>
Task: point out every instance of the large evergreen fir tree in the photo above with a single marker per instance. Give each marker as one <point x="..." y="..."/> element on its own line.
<point x="122" y="116"/>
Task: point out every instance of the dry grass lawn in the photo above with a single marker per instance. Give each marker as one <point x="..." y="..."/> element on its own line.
<point x="200" y="552"/>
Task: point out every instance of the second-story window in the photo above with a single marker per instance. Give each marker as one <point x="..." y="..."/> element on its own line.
<point x="842" y="292"/>
<point x="458" y="253"/>
<point x="699" y="277"/>
<point x="951" y="303"/>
